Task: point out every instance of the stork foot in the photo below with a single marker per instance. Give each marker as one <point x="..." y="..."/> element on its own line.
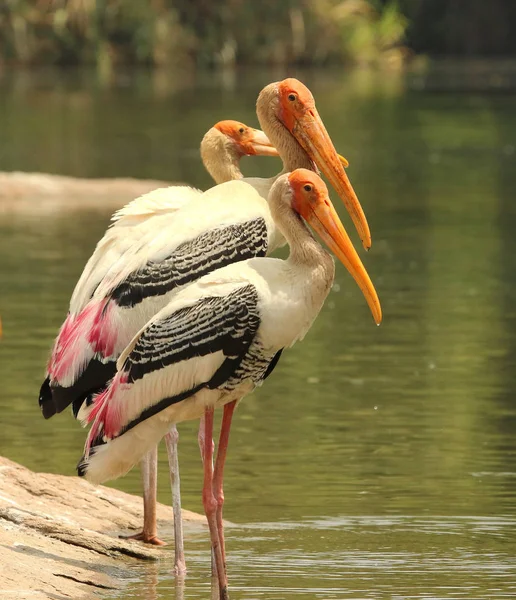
<point x="153" y="540"/>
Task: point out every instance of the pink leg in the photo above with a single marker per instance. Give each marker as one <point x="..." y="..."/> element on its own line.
<point x="201" y="441"/>
<point x="171" y="440"/>
<point x="218" y="475"/>
<point x="149" y="467"/>
<point x="210" y="504"/>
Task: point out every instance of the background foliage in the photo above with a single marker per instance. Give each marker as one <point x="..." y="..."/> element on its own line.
<point x="229" y="32"/>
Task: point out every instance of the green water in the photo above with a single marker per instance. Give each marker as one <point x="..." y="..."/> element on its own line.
<point x="377" y="462"/>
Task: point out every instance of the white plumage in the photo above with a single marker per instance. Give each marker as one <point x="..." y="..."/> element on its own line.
<point x="130" y="224"/>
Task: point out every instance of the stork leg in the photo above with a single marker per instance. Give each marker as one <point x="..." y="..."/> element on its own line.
<point x="171" y="440"/>
<point x="218" y="474"/>
<point x="201" y="440"/>
<point x="149" y="467"/>
<point x="210" y="504"/>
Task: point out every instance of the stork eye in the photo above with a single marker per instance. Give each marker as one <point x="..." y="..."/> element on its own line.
<point x="292" y="97"/>
<point x="307" y="188"/>
<point x="241" y="130"/>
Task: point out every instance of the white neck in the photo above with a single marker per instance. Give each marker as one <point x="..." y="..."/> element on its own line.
<point x="220" y="157"/>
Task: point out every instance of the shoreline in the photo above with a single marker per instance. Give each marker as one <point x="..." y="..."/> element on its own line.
<point x="59" y="535"/>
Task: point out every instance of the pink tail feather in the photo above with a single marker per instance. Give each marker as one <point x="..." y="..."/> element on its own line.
<point x="80" y="338"/>
<point x="71" y="350"/>
<point x="103" y="335"/>
<point x="105" y="412"/>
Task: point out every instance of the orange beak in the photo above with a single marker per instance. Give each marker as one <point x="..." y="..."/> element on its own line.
<point x="323" y="217"/>
<point x="260" y="144"/>
<point x="310" y="132"/>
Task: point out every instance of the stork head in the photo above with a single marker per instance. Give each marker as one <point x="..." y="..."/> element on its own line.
<point x="247" y="141"/>
<point x="293" y="107"/>
<point x="311" y="201"/>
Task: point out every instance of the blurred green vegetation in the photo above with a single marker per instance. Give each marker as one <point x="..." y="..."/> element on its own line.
<point x="230" y="32"/>
<point x="201" y="32"/>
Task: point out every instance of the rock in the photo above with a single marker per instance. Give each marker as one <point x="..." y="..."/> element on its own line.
<point x="59" y="535"/>
<point x="44" y="193"/>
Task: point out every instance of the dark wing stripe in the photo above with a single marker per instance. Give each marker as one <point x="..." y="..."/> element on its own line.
<point x="158" y="407"/>
<point x="193" y="259"/>
<point x="228" y="323"/>
<point x="272" y="364"/>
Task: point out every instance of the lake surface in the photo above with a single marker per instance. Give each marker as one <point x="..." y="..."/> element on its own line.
<point x="377" y="462"/>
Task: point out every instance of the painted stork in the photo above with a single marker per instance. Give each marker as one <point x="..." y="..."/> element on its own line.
<point x="229" y="223"/>
<point x="216" y="340"/>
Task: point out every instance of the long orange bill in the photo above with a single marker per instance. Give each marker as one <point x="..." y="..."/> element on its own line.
<point x="261" y="144"/>
<point x="311" y="133"/>
<point x="324" y="219"/>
